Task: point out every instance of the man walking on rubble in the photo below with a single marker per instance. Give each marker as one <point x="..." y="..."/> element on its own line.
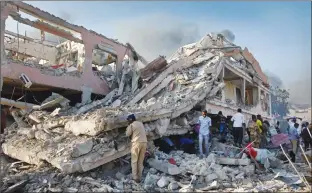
<point x="254" y="131"/>
<point x="205" y="122"/>
<point x="238" y="130"/>
<point x="136" y="131"/>
<point x="294" y="138"/>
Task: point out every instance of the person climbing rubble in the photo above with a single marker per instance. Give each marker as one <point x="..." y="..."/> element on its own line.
<point x="238" y="131"/>
<point x="136" y="131"/>
<point x="254" y="131"/>
<point x="205" y="122"/>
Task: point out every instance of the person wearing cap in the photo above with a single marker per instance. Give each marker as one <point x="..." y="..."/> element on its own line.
<point x="136" y="131"/>
<point x="205" y="122"/>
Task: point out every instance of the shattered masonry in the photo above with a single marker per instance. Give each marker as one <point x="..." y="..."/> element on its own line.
<point x="212" y="72"/>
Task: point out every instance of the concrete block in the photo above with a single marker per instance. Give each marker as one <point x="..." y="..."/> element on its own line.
<point x="164" y="167"/>
<point x="82" y="148"/>
<point x="232" y="161"/>
<point x="181" y="121"/>
<point x="162" y="182"/>
<point x="209" y="178"/>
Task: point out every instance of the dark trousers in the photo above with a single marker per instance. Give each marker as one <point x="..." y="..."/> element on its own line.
<point x="188" y="148"/>
<point x="238" y="134"/>
<point x="248" y="132"/>
<point x="3" y="121"/>
<point x="307" y="144"/>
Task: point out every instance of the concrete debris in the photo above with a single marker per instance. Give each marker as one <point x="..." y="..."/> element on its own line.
<point x="194" y="78"/>
<point x="85" y="140"/>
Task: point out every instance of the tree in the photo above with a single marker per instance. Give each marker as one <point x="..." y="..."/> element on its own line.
<point x="279" y="100"/>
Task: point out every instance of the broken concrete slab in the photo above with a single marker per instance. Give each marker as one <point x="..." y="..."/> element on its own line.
<point x="232" y="161"/>
<point x="165" y="167"/>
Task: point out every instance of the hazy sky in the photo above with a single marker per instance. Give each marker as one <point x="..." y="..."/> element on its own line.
<point x="277" y="33"/>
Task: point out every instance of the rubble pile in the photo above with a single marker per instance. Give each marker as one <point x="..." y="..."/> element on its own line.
<point x="89" y="136"/>
<point x="188" y="174"/>
<point x="189" y="77"/>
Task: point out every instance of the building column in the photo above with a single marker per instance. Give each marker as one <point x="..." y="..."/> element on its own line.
<point x="87" y="64"/>
<point x="259" y="94"/>
<point x="244" y="91"/>
<point x="270" y="105"/>
<point x="4" y="17"/>
<point x="223" y="91"/>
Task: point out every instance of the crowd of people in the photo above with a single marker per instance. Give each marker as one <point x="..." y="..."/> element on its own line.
<point x="257" y="131"/>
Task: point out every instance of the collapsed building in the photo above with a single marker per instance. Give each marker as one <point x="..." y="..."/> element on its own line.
<point x="212" y="73"/>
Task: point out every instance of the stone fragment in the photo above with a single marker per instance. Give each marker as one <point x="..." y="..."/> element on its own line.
<point x="181" y="121"/>
<point x="221" y="174"/>
<point x="119" y="175"/>
<point x="150" y="181"/>
<point x="164" y="166"/>
<point x="162" y="182"/>
<point x="209" y="178"/>
<point x="41" y="135"/>
<point x="29" y="132"/>
<point x="173" y="186"/>
<point x="162" y="126"/>
<point x="82" y="148"/>
<point x="249" y="169"/>
<point x="240" y="176"/>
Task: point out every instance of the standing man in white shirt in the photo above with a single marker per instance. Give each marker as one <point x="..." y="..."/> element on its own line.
<point x="238" y="130"/>
<point x="205" y="122"/>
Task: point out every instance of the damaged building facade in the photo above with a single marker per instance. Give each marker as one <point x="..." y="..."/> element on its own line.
<point x="246" y="86"/>
<point x="212" y="73"/>
<point x="66" y="68"/>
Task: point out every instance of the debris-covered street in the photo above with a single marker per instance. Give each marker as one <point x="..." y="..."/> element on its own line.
<point x="70" y="135"/>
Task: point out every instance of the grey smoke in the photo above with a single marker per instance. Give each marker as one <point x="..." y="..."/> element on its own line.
<point x="300" y="90"/>
<point x="156" y="35"/>
<point x="274" y="80"/>
<point x="228" y="34"/>
<point x="50" y="37"/>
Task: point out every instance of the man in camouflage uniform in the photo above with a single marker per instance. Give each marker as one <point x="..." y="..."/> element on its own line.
<point x="254" y="131"/>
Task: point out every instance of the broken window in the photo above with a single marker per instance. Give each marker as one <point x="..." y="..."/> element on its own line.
<point x="39" y="44"/>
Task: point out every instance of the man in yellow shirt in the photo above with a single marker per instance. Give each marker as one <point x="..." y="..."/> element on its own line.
<point x="136" y="131"/>
<point x="259" y="123"/>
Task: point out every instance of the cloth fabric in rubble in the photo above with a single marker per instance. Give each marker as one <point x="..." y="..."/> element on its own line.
<point x="196" y="128"/>
<point x="279" y="139"/>
<point x="138" y="146"/>
<point x="168" y="141"/>
<point x="250" y="150"/>
<point x="187" y="145"/>
<point x="260" y="155"/>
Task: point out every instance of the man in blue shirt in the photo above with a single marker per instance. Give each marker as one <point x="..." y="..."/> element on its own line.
<point x="294" y="137"/>
<point x="205" y="122"/>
